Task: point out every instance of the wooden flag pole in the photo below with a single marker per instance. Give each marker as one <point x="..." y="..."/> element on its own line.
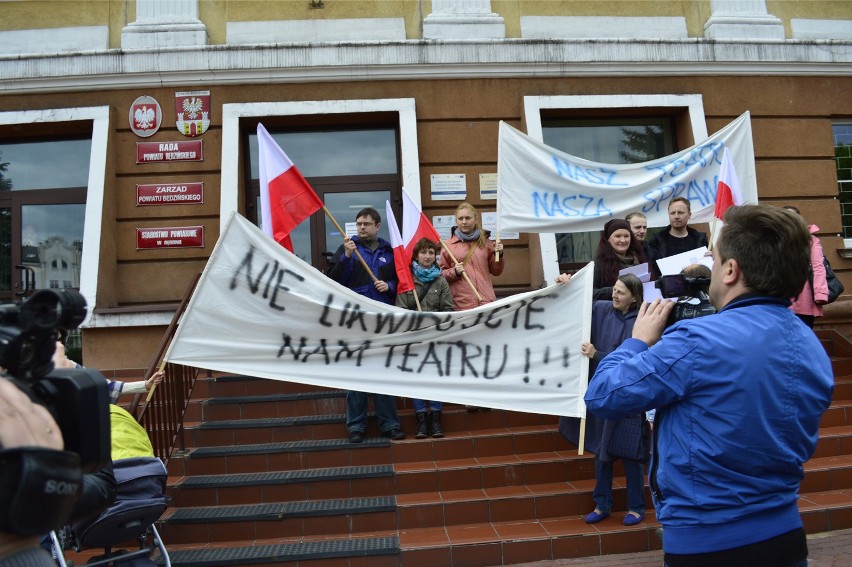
<point x="343" y="232"/>
<point x="464" y="274"/>
<point x="154" y="387"/>
<point x="712" y="234"/>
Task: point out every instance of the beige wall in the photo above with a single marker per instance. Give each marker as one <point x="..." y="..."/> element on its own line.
<point x="457" y="132"/>
<point x="25" y="14"/>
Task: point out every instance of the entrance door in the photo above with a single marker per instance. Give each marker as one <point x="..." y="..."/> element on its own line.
<point x="42" y="212"/>
<point x="349" y="169"/>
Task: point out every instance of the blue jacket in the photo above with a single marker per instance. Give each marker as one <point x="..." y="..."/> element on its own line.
<point x="350" y="272"/>
<point x="610" y="327"/>
<point x="739" y="395"/>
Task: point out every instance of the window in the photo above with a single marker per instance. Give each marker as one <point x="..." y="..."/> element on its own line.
<point x="605" y="140"/>
<point x="54" y="284"/>
<point x="843" y="156"/>
<point x="43" y="185"/>
<point x="349" y="168"/>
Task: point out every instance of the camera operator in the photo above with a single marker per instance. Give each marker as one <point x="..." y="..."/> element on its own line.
<point x="24" y="424"/>
<point x="739" y="399"/>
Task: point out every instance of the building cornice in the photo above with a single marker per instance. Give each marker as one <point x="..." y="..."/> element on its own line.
<point x="406" y="60"/>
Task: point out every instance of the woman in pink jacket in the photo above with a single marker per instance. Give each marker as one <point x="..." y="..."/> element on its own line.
<point x="474" y="254"/>
<point x="808" y="305"/>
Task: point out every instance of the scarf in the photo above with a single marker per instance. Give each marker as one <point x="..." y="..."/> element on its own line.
<point x="468" y="237"/>
<point x="425" y="275"/>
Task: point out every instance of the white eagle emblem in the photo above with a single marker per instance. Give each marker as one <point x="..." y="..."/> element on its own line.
<point x="192" y="107"/>
<point x="145" y="117"/>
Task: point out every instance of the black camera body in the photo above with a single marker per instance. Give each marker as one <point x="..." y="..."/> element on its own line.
<point x="692" y="300"/>
<point x="77" y="398"/>
<point x="39" y="487"/>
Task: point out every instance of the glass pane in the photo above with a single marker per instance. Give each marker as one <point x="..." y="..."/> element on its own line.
<point x="344" y="207"/>
<point x="843" y="156"/>
<point x="68" y="159"/>
<point x="618" y="141"/>
<point x="335" y="152"/>
<point x="5" y="250"/>
<point x="300" y="236"/>
<point x="52" y="243"/>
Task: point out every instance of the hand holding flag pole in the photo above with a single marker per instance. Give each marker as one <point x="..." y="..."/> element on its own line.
<point x="464" y="274"/>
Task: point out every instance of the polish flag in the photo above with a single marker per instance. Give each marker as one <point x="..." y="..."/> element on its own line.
<point x="286" y="198"/>
<point x="401" y="257"/>
<point x="728" y="191"/>
<point x="415" y="225"/>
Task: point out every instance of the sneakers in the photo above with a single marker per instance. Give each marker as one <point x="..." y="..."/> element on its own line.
<point x="394" y="434"/>
<point x="596" y="516"/>
<point x="631" y="520"/>
<point x="356" y="436"/>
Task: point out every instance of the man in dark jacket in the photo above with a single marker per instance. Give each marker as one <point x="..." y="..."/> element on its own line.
<point x="676" y="238"/>
<point x="379" y="283"/>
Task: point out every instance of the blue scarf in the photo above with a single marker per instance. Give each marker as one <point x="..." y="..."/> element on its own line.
<point x="425" y="275"/>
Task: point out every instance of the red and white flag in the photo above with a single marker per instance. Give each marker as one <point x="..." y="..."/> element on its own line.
<point x="415" y="225"/>
<point x="286" y="198"/>
<point x="401" y="257"/>
<point x="728" y="191"/>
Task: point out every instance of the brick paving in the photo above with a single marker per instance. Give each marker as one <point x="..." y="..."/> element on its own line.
<point x="828" y="549"/>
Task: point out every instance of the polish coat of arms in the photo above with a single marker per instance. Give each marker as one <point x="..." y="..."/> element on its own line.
<point x="193" y="112"/>
<point x="145" y="116"/>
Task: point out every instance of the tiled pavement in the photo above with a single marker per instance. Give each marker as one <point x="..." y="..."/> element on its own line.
<point x="829" y="549"/>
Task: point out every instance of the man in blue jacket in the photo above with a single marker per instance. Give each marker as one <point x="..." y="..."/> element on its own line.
<point x="739" y="397"/>
<point x="346" y="268"/>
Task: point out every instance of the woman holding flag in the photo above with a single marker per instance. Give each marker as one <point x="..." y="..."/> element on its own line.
<point x="433" y="294"/>
<point x="470" y="255"/>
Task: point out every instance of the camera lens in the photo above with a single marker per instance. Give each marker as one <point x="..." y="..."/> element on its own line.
<point x="48" y="309"/>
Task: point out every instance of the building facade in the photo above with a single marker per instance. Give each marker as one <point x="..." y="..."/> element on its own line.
<point x="127" y="128"/>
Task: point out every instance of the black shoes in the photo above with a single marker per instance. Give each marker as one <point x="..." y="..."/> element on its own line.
<point x="356" y="437"/>
<point x="394" y="434"/>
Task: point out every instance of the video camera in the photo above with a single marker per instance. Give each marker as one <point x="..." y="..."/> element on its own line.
<point x="692" y="299"/>
<point x="38" y="487"/>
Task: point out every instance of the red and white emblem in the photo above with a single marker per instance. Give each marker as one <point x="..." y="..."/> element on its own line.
<point x="145" y="116"/>
<point x="193" y="112"/>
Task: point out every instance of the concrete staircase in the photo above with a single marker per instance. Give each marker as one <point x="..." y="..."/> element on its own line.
<point x="270" y="479"/>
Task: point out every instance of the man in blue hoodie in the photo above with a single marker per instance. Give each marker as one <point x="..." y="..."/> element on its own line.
<point x="379" y="283"/>
<point x="739" y="397"/>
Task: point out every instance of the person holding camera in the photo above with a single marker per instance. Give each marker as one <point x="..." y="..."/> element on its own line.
<point x="739" y="398"/>
<point x="24" y="425"/>
<point x="612" y="323"/>
<point x="617" y="249"/>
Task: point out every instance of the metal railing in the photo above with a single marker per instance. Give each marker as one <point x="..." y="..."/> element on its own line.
<point x="162" y="415"/>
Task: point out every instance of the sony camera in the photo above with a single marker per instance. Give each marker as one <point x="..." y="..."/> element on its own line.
<point x="78" y="398"/>
<point x="39" y="487"/>
<point x="691" y="294"/>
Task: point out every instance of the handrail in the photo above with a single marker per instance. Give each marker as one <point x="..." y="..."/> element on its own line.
<point x="162" y="416"/>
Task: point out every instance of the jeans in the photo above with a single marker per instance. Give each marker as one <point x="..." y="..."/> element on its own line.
<point x="420" y="405"/>
<point x="634" y="471"/>
<point x="356" y="411"/>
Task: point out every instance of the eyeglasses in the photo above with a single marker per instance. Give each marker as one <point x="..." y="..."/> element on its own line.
<point x="364" y="223"/>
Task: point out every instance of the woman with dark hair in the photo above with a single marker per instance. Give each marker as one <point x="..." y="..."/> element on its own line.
<point x="618" y="249"/>
<point x="612" y="324"/>
<point x="433" y="292"/>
